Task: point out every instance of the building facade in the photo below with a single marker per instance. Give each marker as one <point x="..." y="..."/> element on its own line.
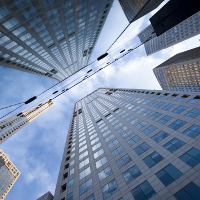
<point x="127" y="144"/>
<point x="135" y="9"/>
<point x="181" y="72"/>
<point x="50" y="38"/>
<point x="183" y="31"/>
<point x="8" y="175"/>
<point x="47" y="196"/>
<point x="16" y="122"/>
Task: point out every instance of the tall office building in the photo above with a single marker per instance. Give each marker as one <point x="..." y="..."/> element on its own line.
<point x="47" y="196"/>
<point x="135" y="9"/>
<point x="8" y="175"/>
<point x="50" y="38"/>
<point x="132" y="144"/>
<point x="183" y="31"/>
<point x="181" y="72"/>
<point x="16" y="122"/>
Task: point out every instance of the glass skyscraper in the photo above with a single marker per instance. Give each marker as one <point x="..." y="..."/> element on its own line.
<point x="181" y="72"/>
<point x="127" y="144"/>
<point x="8" y="175"/>
<point x="135" y="9"/>
<point x="183" y="31"/>
<point x="50" y="38"/>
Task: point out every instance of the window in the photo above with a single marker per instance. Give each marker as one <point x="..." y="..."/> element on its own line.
<point x="134" y="140"/>
<point x="21" y="3"/>
<point x="160" y="136"/>
<point x="153" y="159"/>
<point x="84" y="173"/>
<point x="135" y="121"/>
<point x="168" y="174"/>
<point x="129" y="118"/>
<point x="155" y="115"/>
<point x="104" y="173"/>
<point x="109" y="189"/>
<point x="122" y="129"/>
<point x="113" y="143"/>
<point x="189" y="192"/>
<point x="159" y="105"/>
<point x="142" y="148"/>
<point x="152" y="103"/>
<point x="180" y="99"/>
<point x="191" y="157"/>
<point x="173" y="145"/>
<point x="123" y="161"/>
<point x="70" y="183"/>
<point x="83" y="155"/>
<point x="117" y="151"/>
<point x="141" y="125"/>
<point x="127" y="134"/>
<point x="193" y="131"/>
<point x="30" y="12"/>
<point x="63" y="188"/>
<point x="177" y="124"/>
<point x="149" y="130"/>
<point x="85" y="187"/>
<point x="143" y="191"/>
<point x="147" y="113"/>
<point x="98" y="153"/>
<point x="83" y="163"/>
<point x="180" y="109"/>
<point x="131" y="174"/>
<point x="70" y="196"/>
<point x="71" y="171"/>
<point x="193" y="113"/>
<point x="101" y="162"/>
<point x="165" y="119"/>
<point x="193" y="101"/>
<point x="96" y="146"/>
<point x="91" y="197"/>
<point x="168" y="107"/>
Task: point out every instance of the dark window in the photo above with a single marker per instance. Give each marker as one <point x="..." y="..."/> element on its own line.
<point x="85" y="187"/>
<point x="155" y="115"/>
<point x="149" y="130"/>
<point x="191" y="157"/>
<point x="63" y="188"/>
<point x="109" y="189"/>
<point x="131" y="174"/>
<point x="143" y="191"/>
<point x="173" y="145"/>
<point x="193" y="113"/>
<point x="180" y="109"/>
<point x="160" y="136"/>
<point x="165" y="119"/>
<point x="123" y="161"/>
<point x="70" y="196"/>
<point x="168" y="174"/>
<point x="117" y="151"/>
<point x="153" y="159"/>
<point x="177" y="124"/>
<point x="142" y="148"/>
<point x="134" y="140"/>
<point x="189" y="192"/>
<point x="193" y="131"/>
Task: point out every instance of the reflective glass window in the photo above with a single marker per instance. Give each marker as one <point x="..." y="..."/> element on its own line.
<point x="173" y="145"/>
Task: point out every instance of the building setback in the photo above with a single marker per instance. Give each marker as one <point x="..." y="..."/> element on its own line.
<point x="135" y="9"/>
<point x="181" y="72"/>
<point x="8" y="175"/>
<point x="183" y="31"/>
<point x="16" y="122"/>
<point x="50" y="38"/>
<point x="127" y="144"/>
<point x="47" y="196"/>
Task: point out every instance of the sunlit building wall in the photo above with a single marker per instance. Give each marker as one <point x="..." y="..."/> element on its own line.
<point x="16" y="122"/>
<point x="8" y="175"/>
<point x="50" y="38"/>
<point x="136" y="144"/>
<point x="183" y="31"/>
<point x="181" y="72"/>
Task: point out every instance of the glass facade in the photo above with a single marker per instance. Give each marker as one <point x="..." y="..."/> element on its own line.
<point x="117" y="150"/>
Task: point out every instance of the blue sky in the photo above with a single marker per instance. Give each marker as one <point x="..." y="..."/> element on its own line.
<point x="37" y="149"/>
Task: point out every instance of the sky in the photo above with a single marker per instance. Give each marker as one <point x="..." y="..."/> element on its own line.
<point x="37" y="149"/>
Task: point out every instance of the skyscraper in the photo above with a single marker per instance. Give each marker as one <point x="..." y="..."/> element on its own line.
<point x="125" y="143"/>
<point x="135" y="9"/>
<point x="11" y="125"/>
<point x="50" y="38"/>
<point x="183" y="31"/>
<point x="47" y="196"/>
<point x="8" y="175"/>
<point x="181" y="72"/>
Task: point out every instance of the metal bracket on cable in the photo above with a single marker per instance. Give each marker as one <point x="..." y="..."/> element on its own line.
<point x="30" y="100"/>
<point x="102" y="56"/>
